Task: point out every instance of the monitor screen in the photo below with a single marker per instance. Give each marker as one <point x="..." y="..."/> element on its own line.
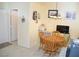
<point x="63" y="29"/>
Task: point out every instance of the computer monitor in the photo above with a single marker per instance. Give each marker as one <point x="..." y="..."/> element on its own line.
<point x="63" y="29"/>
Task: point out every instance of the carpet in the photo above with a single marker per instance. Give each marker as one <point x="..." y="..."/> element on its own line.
<point x="3" y="45"/>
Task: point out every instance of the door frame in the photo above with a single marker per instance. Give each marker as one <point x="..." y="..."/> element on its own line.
<point x="10" y="24"/>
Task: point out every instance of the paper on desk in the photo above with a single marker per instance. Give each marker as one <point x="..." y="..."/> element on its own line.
<point x="76" y="41"/>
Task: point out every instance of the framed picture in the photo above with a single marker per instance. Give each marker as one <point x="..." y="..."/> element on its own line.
<point x="52" y="13"/>
<point x="71" y="15"/>
<point x="34" y="15"/>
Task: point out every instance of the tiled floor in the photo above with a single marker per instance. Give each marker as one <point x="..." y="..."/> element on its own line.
<point x="16" y="51"/>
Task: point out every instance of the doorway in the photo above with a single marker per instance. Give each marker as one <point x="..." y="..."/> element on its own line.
<point x="13" y="24"/>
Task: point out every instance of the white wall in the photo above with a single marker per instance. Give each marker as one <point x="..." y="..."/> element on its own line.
<point x="43" y="8"/>
<point x="70" y="7"/>
<point x="23" y="9"/>
<point x="33" y="26"/>
<point x="63" y="8"/>
<point x="4" y="25"/>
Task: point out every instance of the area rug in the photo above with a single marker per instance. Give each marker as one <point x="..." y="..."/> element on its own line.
<point x="3" y="45"/>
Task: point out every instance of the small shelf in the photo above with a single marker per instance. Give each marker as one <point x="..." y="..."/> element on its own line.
<point x="56" y="17"/>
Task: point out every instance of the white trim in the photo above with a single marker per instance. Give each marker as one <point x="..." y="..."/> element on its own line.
<point x="10" y="29"/>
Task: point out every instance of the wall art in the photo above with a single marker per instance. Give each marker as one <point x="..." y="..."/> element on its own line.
<point x="52" y="13"/>
<point x="71" y="15"/>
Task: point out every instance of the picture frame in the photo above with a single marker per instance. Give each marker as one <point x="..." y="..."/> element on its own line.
<point x="34" y="15"/>
<point x="70" y="15"/>
<point x="52" y="13"/>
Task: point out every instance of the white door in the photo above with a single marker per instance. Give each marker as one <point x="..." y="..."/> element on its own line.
<point x="4" y="34"/>
<point x="13" y="24"/>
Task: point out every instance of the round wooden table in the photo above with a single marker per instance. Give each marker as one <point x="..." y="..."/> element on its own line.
<point x="51" y="43"/>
